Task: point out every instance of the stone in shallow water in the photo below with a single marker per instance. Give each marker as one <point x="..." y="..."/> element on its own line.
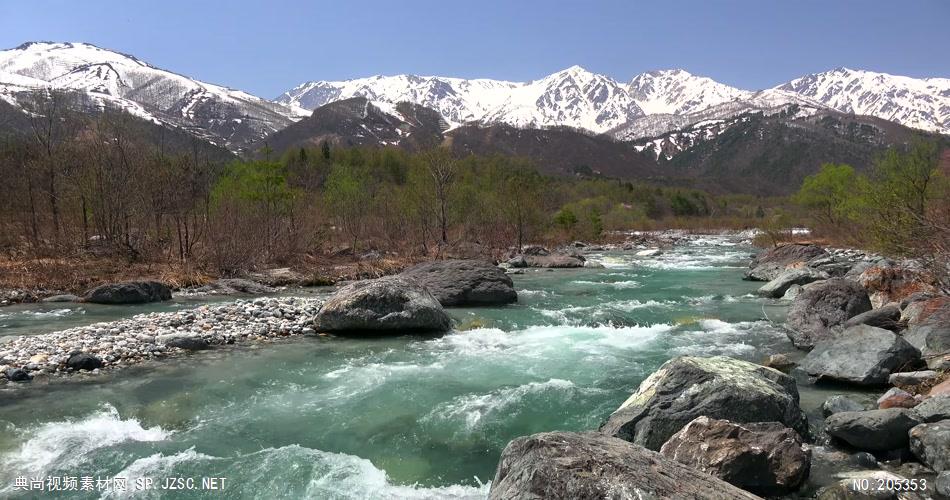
<point x="838" y="404"/>
<point x="386" y="305"/>
<point x="130" y="292"/>
<point x="687" y="387"/>
<point x="464" y="282"/>
<point x="84" y="361"/>
<point x="17" y="375"/>
<point x="589" y="465"/>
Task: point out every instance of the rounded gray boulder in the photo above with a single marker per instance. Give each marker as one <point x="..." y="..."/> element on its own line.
<point x="718" y="387"/>
<point x="129" y="292"/>
<point x="862" y="355"/>
<point x="386" y="305"/>
<point x="464" y="282"/>
<point x="588" y="465"/>
<point x="822" y="308"/>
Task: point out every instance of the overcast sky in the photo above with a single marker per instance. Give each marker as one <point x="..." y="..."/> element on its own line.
<point x="268" y="47"/>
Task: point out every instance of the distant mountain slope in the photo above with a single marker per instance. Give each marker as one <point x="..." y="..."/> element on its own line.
<point x="678" y="92"/>
<point x="917" y="103"/>
<point x="358" y="122"/>
<point x="227" y="117"/>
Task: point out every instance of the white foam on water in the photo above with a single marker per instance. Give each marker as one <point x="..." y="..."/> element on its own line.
<point x="294" y="471"/>
<point x="472" y="409"/>
<point x="65" y="444"/>
<point x="724" y="338"/>
<point x="535" y="293"/>
<point x="620" y="285"/>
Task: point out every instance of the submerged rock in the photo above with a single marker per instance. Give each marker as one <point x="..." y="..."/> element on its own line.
<point x="130" y="292"/>
<point x="719" y="387"/>
<point x="862" y="355"/>
<point x="873" y="430"/>
<point x="464" y="282"/>
<point x="822" y="308"/>
<point x="930" y="443"/>
<point x="589" y="465"/>
<point x="838" y="404"/>
<point x="765" y="458"/>
<point x="390" y="304"/>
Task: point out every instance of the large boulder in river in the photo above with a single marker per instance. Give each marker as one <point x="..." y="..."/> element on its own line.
<point x="719" y="387"/>
<point x="386" y="305"/>
<point x="822" y="308"/>
<point x="464" y="282"/>
<point x="554" y="261"/>
<point x="588" y="465"/>
<point x="765" y="458"/>
<point x="129" y="292"/>
<point x="930" y="443"/>
<point x="769" y="264"/>
<point x="862" y="355"/>
<point x="778" y="286"/>
<point x="873" y="430"/>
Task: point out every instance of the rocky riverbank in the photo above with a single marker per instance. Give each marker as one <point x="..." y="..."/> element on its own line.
<point x="113" y="345"/>
<point x="866" y="321"/>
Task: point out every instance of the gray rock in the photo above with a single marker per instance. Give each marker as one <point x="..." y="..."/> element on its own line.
<point x="930" y="443"/>
<point x="770" y="263"/>
<point x="386" y="305"/>
<point x="535" y="250"/>
<point x="852" y="487"/>
<point x="873" y="430"/>
<point x="862" y="355"/>
<point x="928" y="328"/>
<point x="911" y="379"/>
<point x="792" y="292"/>
<point x="464" y="282"/>
<point x="916" y="297"/>
<point x="934" y="409"/>
<point x="687" y="387"/>
<point x="778" y="286"/>
<point x="885" y="317"/>
<point x="62" y="298"/>
<point x="764" y="458"/>
<point x="183" y="341"/>
<point x="589" y="465"/>
<point x="943" y="483"/>
<point x="17" y="375"/>
<point x="238" y="285"/>
<point x="130" y="292"/>
<point x="83" y="361"/>
<point x="838" y="404"/>
<point x="780" y="362"/>
<point x="553" y="261"/>
<point x="822" y="308"/>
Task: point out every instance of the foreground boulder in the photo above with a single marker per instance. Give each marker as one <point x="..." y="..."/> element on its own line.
<point x="873" y="430"/>
<point x="822" y="308"/>
<point x="687" y="387"/>
<point x="765" y="458"/>
<point x="778" y="286"/>
<point x="862" y="355"/>
<point x="129" y="292"/>
<point x="769" y="264"/>
<point x="934" y="409"/>
<point x="391" y="304"/>
<point x="464" y="282"/>
<point x="589" y="465"/>
<point x="930" y="443"/>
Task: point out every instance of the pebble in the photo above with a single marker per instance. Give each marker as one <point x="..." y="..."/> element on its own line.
<point x="129" y="341"/>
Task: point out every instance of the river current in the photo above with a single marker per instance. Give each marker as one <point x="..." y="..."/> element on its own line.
<point x="405" y="417"/>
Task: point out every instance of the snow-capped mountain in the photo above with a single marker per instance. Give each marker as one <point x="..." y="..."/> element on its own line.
<point x="677" y="92"/>
<point x="919" y="103"/>
<point x="573" y="97"/>
<point x="224" y="116"/>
